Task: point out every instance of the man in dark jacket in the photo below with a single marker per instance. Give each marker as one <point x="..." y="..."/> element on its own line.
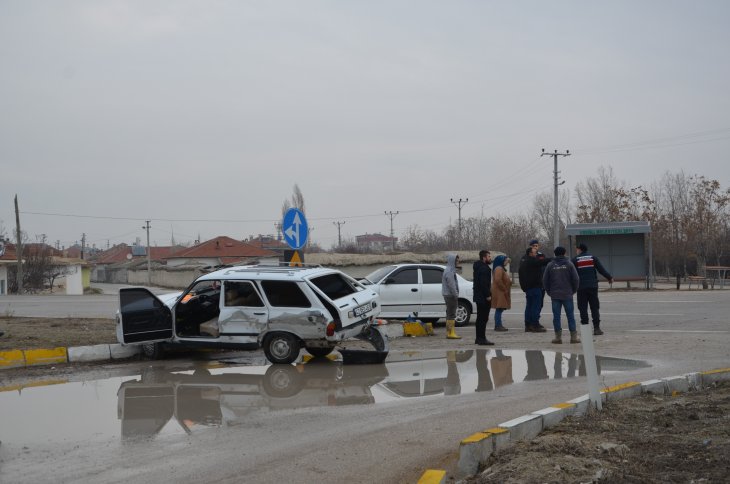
<point x="483" y="295"/>
<point x="587" y="265"/>
<point x="561" y="282"/>
<point x="532" y="266"/>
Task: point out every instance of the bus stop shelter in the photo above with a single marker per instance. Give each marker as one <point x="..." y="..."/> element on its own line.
<point x="624" y="248"/>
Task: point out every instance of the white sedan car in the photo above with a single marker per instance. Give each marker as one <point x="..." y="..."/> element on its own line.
<point x="408" y="289"/>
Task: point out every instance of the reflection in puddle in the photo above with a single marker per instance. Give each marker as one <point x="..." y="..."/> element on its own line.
<point x="163" y="402"/>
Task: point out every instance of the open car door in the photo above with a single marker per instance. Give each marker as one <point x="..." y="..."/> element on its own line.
<point x="144" y="317"/>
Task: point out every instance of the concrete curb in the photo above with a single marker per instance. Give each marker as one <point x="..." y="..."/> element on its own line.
<point x="475" y="450"/>
<point x="51" y="356"/>
<point x="106" y="352"/>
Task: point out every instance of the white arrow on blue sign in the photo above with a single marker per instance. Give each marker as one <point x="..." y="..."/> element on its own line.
<point x="295" y="228"/>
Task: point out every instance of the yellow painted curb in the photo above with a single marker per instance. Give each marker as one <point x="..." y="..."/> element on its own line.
<point x="474" y="438"/>
<point x="563" y="405"/>
<point x="496" y="431"/>
<point x="712" y="372"/>
<point x="622" y="386"/>
<point x="12" y="358"/>
<point x="432" y="476"/>
<point x="45" y="356"/>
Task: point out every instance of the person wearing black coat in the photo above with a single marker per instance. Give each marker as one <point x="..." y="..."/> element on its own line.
<point x="482" y="295"/>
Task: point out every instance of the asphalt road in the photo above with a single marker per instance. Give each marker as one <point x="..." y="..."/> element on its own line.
<point x="675" y="332"/>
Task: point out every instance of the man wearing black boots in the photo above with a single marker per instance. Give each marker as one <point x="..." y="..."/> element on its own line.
<point x="587" y="266"/>
<point x="483" y="295"/>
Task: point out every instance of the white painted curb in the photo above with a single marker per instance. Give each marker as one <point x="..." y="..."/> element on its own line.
<point x="88" y="353"/>
<point x="119" y="352"/>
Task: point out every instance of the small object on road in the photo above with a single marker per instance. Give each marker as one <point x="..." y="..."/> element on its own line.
<point x="2" y="333"/>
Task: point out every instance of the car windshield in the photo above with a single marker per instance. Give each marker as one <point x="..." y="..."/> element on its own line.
<point x="376" y="276"/>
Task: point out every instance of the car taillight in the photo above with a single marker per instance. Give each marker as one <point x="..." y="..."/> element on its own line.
<point x="331" y="328"/>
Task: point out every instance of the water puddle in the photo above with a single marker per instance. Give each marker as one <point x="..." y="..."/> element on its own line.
<point x="168" y="402"/>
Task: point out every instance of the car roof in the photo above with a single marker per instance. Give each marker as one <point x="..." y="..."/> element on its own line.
<point x="268" y="272"/>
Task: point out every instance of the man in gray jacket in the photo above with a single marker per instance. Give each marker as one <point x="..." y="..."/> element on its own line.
<point x="450" y="291"/>
<point x="561" y="282"/>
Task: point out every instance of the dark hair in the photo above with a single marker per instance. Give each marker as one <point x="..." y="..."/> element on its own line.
<point x="582" y="247"/>
<point x="559" y="251"/>
<point x="482" y="253"/>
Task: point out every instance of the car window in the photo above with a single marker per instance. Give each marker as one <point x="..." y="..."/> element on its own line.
<point x="376" y="276"/>
<point x="203" y="291"/>
<point x="241" y="293"/>
<point x="139" y="300"/>
<point x="285" y="294"/>
<point x="431" y="275"/>
<point x="406" y="276"/>
<point x="334" y="285"/>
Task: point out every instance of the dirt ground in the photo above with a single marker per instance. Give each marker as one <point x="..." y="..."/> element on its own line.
<point x="32" y="333"/>
<point x="647" y="439"/>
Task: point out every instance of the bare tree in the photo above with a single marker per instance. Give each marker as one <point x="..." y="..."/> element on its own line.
<point x="296" y="201"/>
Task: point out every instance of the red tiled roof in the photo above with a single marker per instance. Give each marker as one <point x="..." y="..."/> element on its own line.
<point x="10" y="254"/>
<point x="119" y="253"/>
<point x="222" y="247"/>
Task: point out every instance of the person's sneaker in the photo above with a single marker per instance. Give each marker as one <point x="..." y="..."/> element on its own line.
<point x="530" y="329"/>
<point x="597" y="331"/>
<point x="500" y="328"/>
<point x="483" y="342"/>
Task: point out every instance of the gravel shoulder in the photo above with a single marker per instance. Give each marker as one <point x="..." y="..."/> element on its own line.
<point x="34" y="333"/>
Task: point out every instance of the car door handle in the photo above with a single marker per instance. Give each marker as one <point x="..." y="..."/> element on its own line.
<point x="260" y="314"/>
<point x="414" y="290"/>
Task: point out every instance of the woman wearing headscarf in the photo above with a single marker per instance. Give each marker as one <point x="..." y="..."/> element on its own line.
<point x="450" y="291"/>
<point x="501" y="286"/>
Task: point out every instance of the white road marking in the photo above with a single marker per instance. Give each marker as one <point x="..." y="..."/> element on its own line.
<point x="671" y="331"/>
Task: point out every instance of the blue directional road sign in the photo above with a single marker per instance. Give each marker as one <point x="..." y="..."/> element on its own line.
<point x="295" y="228"/>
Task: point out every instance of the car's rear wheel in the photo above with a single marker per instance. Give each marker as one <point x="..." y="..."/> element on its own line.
<point x="463" y="313"/>
<point x="153" y="351"/>
<point x="281" y="348"/>
<point x="319" y="352"/>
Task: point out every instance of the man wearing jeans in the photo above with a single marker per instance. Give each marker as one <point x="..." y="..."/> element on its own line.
<point x="532" y="266"/>
<point x="561" y="282"/>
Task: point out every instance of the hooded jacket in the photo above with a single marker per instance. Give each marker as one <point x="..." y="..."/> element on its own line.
<point x="501" y="284"/>
<point x="449" y="282"/>
<point x="482" y="281"/>
<point x="560" y="279"/>
<point x="587" y="265"/>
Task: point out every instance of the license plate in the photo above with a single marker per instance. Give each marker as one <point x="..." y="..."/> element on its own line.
<point x="360" y="310"/>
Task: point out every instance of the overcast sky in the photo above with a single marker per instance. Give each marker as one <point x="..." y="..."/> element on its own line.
<point x="201" y="116"/>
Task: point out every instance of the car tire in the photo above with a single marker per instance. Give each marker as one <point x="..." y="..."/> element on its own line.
<point x="281" y="348"/>
<point x="463" y="313"/>
<point x="153" y="351"/>
<point x="318" y="351"/>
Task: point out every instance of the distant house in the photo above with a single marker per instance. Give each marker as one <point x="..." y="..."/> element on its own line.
<point x="8" y="257"/>
<point x="221" y="250"/>
<point x="268" y="242"/>
<point x="110" y="265"/>
<point x="375" y="242"/>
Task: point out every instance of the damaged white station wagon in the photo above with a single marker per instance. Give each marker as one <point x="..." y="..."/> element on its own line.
<point x="281" y="309"/>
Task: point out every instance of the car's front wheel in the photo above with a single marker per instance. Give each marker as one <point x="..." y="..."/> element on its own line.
<point x="281" y="348"/>
<point x="463" y="313"/>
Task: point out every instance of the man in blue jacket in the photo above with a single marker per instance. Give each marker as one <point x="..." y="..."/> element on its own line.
<point x="587" y="265"/>
<point x="561" y="282"/>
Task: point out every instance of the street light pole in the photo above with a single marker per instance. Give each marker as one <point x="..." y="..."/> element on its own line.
<point x="149" y="255"/>
<point x="556" y="226"/>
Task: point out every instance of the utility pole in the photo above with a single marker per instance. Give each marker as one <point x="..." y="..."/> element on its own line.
<point x="339" y="234"/>
<point x="392" y="215"/>
<point x="149" y="253"/>
<point x="18" y="249"/>
<point x="556" y="227"/>
<point x="460" y="203"/>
